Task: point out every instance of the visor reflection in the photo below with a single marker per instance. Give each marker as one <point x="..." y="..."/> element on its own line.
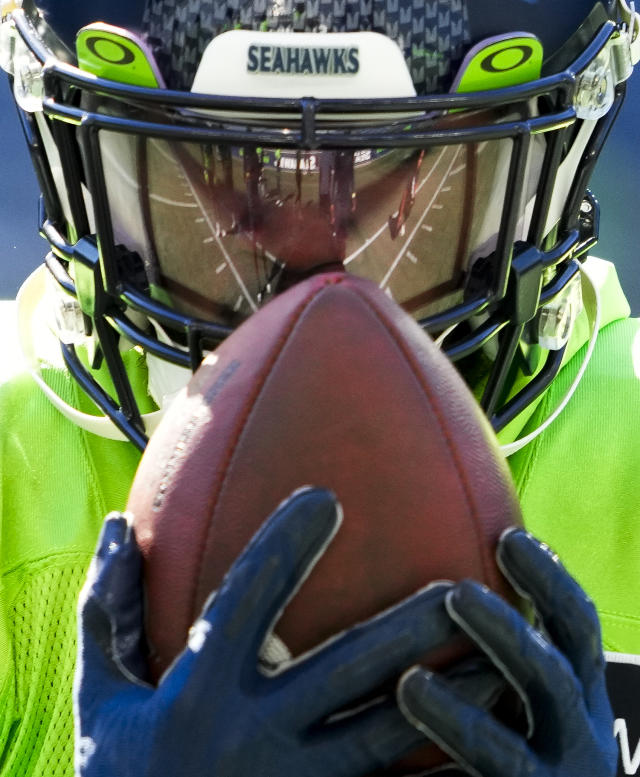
<point x="223" y="228"/>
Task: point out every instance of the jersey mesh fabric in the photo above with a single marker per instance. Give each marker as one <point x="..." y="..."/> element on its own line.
<point x="57" y="482"/>
<point x="42" y="621"/>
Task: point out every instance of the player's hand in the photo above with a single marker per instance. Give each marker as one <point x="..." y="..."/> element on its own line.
<point x="217" y="710"/>
<point x="557" y="669"/>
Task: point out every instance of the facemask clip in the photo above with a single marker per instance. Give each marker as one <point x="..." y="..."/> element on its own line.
<point x="556" y="320"/>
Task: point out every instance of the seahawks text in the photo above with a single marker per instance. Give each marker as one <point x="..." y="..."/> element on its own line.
<point x="296" y="60"/>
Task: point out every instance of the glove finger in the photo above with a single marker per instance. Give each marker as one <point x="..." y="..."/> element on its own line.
<point x="110" y="617"/>
<point x="465" y="731"/>
<point x="477" y="680"/>
<point x="365" y="742"/>
<point x="369" y="655"/>
<point x="236" y="619"/>
<point x="567" y="613"/>
<point x="541" y="675"/>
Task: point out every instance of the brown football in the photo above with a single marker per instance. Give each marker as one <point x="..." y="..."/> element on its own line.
<point x="331" y="384"/>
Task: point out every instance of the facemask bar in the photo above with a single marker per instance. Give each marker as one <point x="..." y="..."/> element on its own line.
<point x="308" y="126"/>
<point x="580" y="223"/>
<point x="88" y="138"/>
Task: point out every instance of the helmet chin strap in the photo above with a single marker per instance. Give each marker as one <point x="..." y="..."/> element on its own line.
<point x="33" y="327"/>
<point x="165" y="380"/>
<point x="511" y="448"/>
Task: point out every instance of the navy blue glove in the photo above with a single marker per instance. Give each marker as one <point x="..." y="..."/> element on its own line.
<point x="217" y="711"/>
<point x="557" y="669"/>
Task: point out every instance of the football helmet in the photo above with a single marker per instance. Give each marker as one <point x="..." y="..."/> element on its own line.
<point x="196" y="158"/>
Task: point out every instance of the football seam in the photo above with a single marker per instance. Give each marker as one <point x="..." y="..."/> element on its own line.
<point x="243" y="418"/>
<point x="279" y="346"/>
<point x="460" y="470"/>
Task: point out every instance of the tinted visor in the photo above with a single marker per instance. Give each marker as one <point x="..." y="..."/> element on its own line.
<point x="222" y="228"/>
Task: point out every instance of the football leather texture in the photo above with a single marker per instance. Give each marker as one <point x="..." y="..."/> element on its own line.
<point x="331" y="384"/>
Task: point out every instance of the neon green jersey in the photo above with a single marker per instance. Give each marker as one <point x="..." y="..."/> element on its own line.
<point x="577" y="480"/>
<point x="57" y="483"/>
<point x="577" y="484"/>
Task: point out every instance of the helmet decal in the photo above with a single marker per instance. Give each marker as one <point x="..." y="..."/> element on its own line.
<point x="279" y="64"/>
<point x="501" y="61"/>
<point x="113" y="53"/>
<point x="303" y="60"/>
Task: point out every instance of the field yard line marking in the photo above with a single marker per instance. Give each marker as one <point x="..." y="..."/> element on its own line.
<point x="377" y="234"/>
<point x="175" y="203"/>
<point x="394" y="264"/>
<point x="227" y="256"/>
